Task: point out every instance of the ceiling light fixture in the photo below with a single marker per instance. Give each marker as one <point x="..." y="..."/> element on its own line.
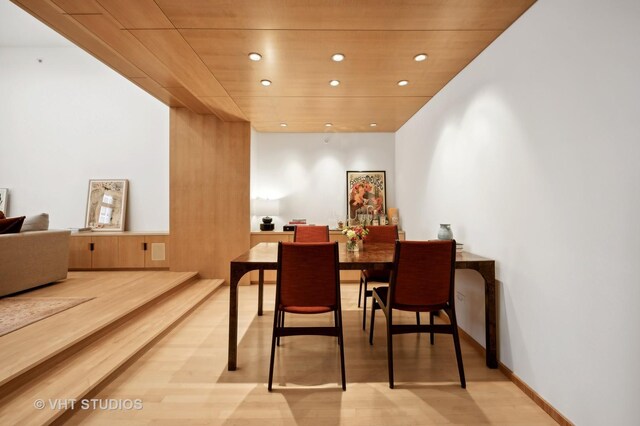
<point x="403" y="82"/>
<point x="373" y="124"/>
<point x="268" y="82"/>
<point x="283" y="124"/>
<point x="334" y="83"/>
<point x="254" y="56"/>
<point x="420" y="57"/>
<point x="328" y="124"/>
<point x="338" y="57"/>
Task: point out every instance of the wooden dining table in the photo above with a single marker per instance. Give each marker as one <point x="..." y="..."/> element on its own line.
<point x="264" y="256"/>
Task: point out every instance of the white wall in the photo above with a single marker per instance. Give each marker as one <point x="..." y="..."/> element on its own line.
<point x="532" y="154"/>
<point x="70" y="119"/>
<point x="308" y="175"/>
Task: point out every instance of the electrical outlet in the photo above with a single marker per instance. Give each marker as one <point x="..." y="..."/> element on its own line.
<point x="460" y="296"/>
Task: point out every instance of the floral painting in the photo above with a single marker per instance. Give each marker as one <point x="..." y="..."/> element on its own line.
<point x="107" y="204"/>
<point x="366" y="195"/>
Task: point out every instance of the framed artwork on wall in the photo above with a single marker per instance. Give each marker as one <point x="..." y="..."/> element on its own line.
<point x="107" y="204"/>
<point x="366" y="195"/>
<point x="4" y="193"/>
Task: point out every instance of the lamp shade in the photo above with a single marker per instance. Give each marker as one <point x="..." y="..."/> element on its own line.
<point x="266" y="207"/>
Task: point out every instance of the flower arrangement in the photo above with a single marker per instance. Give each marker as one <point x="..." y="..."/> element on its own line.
<point x="354" y="234"/>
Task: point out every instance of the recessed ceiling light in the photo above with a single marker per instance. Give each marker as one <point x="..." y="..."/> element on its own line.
<point x="268" y="82"/>
<point x="420" y="57"/>
<point x="255" y="56"/>
<point x="283" y="124"/>
<point x="328" y="124"/>
<point x="373" y="124"/>
<point x="338" y="57"/>
<point x="403" y="83"/>
<point x="334" y="83"/>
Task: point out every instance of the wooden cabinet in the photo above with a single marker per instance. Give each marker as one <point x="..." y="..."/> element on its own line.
<point x="80" y="252"/>
<point x="131" y="251"/>
<point x="275" y="236"/>
<point x="123" y="250"/>
<point x="104" y="252"/>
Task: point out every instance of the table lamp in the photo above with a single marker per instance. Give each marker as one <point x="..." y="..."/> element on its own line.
<point x="265" y="207"/>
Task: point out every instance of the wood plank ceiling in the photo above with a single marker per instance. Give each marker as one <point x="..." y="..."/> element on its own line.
<point x="194" y="53"/>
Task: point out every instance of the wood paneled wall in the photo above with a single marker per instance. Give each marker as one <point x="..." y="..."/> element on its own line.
<point x="209" y="200"/>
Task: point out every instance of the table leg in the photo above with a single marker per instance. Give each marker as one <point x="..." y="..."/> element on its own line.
<point x="260" y="290"/>
<point x="232" y="359"/>
<point x="487" y="270"/>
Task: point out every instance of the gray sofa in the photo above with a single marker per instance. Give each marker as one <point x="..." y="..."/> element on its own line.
<point x="31" y="259"/>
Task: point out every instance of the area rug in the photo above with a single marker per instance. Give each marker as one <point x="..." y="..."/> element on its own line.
<point x="17" y="312"/>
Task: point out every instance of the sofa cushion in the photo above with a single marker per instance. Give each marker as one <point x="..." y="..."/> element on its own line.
<point x="2" y="216"/>
<point x="11" y="225"/>
<point x="36" y="223"/>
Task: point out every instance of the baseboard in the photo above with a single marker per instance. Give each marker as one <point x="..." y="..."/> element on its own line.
<point x="540" y="401"/>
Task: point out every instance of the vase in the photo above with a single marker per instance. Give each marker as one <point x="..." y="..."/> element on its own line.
<point x="444" y="233"/>
<point x="352" y="245"/>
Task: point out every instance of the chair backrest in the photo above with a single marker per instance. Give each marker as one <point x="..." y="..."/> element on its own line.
<point x="382" y="234"/>
<point x="423" y="273"/>
<point x="311" y="234"/>
<point x="308" y="274"/>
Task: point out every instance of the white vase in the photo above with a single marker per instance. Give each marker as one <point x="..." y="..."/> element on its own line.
<point x="445" y="233"/>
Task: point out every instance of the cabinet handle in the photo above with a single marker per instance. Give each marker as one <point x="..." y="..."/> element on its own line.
<point x="144" y="246"/>
<point x="91" y="246"/>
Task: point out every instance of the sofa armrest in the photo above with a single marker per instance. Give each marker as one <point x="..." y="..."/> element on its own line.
<point x="31" y="259"/>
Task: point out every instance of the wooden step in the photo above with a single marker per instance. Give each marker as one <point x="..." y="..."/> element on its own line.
<point x="117" y="294"/>
<point x="76" y="375"/>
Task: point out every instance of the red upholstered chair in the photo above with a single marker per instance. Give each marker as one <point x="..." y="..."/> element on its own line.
<point x="311" y="234"/>
<point x="307" y="234"/>
<point x="308" y="283"/>
<point x="422" y="280"/>
<point x="377" y="234"/>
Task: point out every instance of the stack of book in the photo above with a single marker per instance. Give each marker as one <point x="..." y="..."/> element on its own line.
<point x="292" y="224"/>
<point x="74" y="230"/>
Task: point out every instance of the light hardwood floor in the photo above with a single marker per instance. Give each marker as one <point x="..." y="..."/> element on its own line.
<point x="65" y="356"/>
<point x="183" y="379"/>
<point x="114" y="295"/>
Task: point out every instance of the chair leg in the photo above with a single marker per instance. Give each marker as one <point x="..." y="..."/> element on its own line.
<point x="431" y="338"/>
<point x="360" y="291"/>
<point x="273" y="347"/>
<point x="390" y="351"/>
<point x="364" y="304"/>
<point x="456" y="343"/>
<point x="341" y="342"/>
<point x="374" y="304"/>
<point x="336" y="322"/>
<point x="418" y="318"/>
<point x="280" y="324"/>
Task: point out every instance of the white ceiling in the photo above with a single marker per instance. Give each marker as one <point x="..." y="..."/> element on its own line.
<point x="19" y="29"/>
